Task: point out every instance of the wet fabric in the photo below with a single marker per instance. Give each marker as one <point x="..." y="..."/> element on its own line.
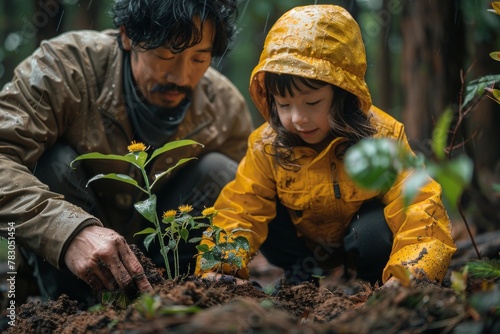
<point x="70" y="90"/>
<point x="324" y="42"/>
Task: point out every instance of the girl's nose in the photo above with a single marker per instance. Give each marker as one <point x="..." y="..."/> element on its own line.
<point x="299" y="117"/>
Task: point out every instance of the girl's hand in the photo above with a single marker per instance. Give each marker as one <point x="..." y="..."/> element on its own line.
<point x="392" y="282"/>
<point x="222" y="277"/>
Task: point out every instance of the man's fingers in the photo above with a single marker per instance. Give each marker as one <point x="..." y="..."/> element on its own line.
<point x="142" y="283"/>
<point x="103" y="259"/>
<point x="94" y="282"/>
<point x="106" y="276"/>
<point x="134" y="267"/>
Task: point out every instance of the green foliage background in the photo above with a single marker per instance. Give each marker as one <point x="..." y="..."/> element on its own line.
<point x="21" y="20"/>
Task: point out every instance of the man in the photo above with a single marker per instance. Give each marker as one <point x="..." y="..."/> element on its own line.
<point x="149" y="81"/>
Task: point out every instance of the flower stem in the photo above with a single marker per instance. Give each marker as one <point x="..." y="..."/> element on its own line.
<point x="159" y="234"/>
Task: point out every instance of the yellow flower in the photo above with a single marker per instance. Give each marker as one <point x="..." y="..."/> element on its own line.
<point x="185" y="208"/>
<point x="169" y="213"/>
<point x="136" y="147"/>
<point x="209" y="212"/>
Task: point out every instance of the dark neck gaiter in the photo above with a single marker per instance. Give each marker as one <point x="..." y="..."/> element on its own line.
<point x="153" y="125"/>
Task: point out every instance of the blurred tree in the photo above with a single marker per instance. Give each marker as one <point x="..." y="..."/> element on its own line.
<point x="481" y="126"/>
<point x="432" y="57"/>
<point x="25" y="23"/>
<point x="51" y="16"/>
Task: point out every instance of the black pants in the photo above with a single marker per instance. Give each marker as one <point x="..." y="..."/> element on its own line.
<point x="197" y="184"/>
<point x="366" y="247"/>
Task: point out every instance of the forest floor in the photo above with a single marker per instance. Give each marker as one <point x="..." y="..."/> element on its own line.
<point x="193" y="305"/>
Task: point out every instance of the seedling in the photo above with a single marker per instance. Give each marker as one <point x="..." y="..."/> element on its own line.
<point x="227" y="251"/>
<point x="138" y="157"/>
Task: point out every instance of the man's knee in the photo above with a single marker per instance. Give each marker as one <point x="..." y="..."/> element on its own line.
<point x="53" y="167"/>
<point x="216" y="171"/>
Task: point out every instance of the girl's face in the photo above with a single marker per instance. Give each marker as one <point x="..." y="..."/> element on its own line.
<point x="306" y="113"/>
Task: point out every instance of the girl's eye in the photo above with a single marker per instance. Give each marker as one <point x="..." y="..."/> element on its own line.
<point x="313" y="103"/>
<point x="280" y="105"/>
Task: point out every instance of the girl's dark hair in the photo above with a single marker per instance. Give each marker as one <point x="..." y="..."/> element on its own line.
<point x="155" y="23"/>
<point x="346" y="118"/>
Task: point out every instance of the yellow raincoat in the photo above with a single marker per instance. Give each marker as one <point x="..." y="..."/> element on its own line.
<point x="324" y="42"/>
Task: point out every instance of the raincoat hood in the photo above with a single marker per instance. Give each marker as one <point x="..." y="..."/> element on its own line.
<point x="321" y="42"/>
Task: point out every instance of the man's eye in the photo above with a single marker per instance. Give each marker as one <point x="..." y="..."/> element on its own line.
<point x="165" y="58"/>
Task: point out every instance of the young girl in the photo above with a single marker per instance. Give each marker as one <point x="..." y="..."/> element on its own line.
<point x="292" y="190"/>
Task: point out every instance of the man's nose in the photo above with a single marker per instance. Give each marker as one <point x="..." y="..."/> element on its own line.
<point x="178" y="73"/>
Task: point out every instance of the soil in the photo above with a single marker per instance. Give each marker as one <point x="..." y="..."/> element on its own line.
<point x="194" y="305"/>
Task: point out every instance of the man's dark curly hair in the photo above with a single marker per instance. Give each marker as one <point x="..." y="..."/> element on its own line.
<point x="154" y="23"/>
<point x="346" y="119"/>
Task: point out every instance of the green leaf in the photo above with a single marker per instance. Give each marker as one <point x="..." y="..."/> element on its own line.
<point x="173" y="145"/>
<point x="371" y="163"/>
<point x="209" y="264"/>
<point x="227" y="246"/>
<point x="117" y="177"/>
<point x="202" y="248"/>
<point x="453" y="176"/>
<point x="147" y="230"/>
<point x="459" y="281"/>
<point x="148" y="240"/>
<point x="184" y="233"/>
<point x="476" y="87"/>
<point x="234" y="260"/>
<point x="137" y="159"/>
<point x="440" y="134"/>
<point x="197" y="225"/>
<point x="194" y="240"/>
<point x="495" y="94"/>
<point x="147" y="208"/>
<point x="242" y="243"/>
<point x="495" y="55"/>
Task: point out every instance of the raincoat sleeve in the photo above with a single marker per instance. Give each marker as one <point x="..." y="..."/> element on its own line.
<point x="34" y="112"/>
<point x="247" y="202"/>
<point x="422" y="232"/>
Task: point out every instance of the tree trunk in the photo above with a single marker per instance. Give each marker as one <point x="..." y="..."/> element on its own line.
<point x="483" y="122"/>
<point x="431" y="62"/>
<point x="384" y="64"/>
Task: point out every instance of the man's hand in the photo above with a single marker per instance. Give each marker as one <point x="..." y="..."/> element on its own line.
<point x="102" y="258"/>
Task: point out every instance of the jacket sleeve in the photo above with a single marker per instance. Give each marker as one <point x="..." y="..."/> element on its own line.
<point x="248" y="202"/>
<point x="32" y="115"/>
<point x="422" y="232"/>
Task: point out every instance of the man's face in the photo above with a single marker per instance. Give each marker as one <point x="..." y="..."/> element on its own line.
<point x="164" y="79"/>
